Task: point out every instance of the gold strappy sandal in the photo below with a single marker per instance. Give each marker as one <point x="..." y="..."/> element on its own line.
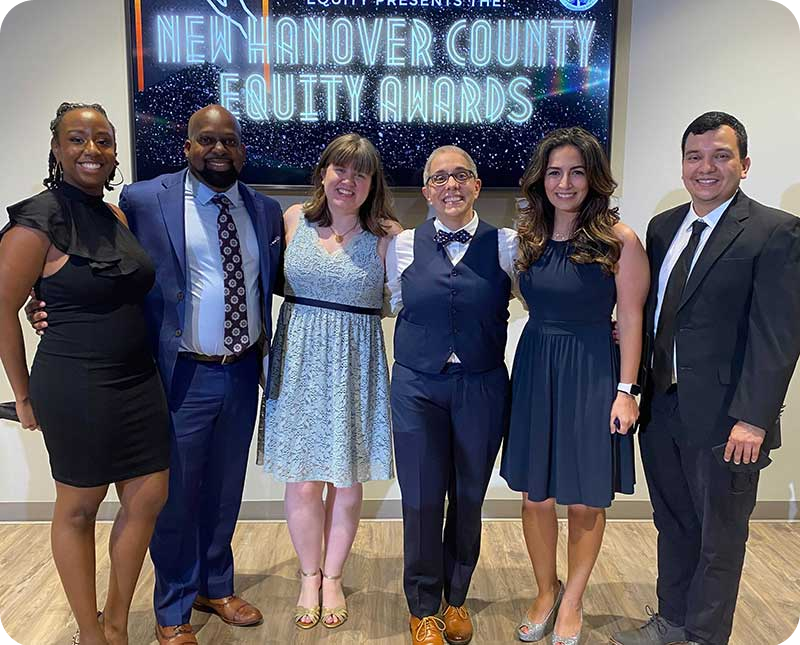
<point x="308" y="612"/>
<point x="340" y="614"/>
<point x="76" y="637"/>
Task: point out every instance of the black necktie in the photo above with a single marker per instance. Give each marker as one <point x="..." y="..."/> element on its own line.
<point x="235" y="332"/>
<point x="664" y="345"/>
<point x="445" y="237"/>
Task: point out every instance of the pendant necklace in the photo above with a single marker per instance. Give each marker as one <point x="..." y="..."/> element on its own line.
<point x="340" y="237"/>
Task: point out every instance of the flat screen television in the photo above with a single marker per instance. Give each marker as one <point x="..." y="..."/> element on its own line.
<point x="491" y="76"/>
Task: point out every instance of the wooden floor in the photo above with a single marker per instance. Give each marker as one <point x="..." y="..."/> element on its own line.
<point x="34" y="611"/>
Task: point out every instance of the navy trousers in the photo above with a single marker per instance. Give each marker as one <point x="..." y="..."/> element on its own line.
<point x="213" y="412"/>
<point x="447" y="431"/>
<point x="701" y="510"/>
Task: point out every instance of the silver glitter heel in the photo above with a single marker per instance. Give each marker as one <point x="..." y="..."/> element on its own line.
<point x="537" y="631"/>
<point x="569" y="640"/>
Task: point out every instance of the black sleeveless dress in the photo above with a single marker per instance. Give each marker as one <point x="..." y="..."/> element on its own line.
<point x="94" y="387"/>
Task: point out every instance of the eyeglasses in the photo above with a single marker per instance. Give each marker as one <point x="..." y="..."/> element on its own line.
<point x="207" y="141"/>
<point x="441" y="178"/>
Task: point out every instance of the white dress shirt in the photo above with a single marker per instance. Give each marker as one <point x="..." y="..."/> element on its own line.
<point x="679" y="243"/>
<point x="205" y="298"/>
<point x="400" y="255"/>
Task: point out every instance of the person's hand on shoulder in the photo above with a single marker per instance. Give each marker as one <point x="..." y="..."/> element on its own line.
<point x="391" y="227"/>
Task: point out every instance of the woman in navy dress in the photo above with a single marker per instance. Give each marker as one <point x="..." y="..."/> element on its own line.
<point x="572" y="400"/>
<point x="93" y="390"/>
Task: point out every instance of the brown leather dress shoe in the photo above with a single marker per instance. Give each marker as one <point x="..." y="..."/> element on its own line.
<point x="231" y="609"/>
<point x="427" y="630"/>
<point x="175" y="635"/>
<point x="457" y="625"/>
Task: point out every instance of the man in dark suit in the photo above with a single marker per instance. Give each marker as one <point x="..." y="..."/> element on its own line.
<point x="722" y="341"/>
<point x="216" y="245"/>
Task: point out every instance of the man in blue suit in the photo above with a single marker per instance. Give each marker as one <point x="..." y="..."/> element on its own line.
<point x="217" y="246"/>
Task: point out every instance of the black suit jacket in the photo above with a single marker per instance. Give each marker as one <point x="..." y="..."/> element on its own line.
<point x="737" y="332"/>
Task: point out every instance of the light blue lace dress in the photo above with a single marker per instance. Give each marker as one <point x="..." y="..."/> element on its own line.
<point x="327" y="409"/>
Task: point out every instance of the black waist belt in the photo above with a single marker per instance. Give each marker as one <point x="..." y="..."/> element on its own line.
<point x="225" y="359"/>
<point x="322" y="304"/>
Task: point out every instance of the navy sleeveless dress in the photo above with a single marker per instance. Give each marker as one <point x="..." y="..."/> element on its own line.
<point x="564" y="380"/>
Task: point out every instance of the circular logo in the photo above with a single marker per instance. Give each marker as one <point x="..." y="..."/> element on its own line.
<point x="579" y="5"/>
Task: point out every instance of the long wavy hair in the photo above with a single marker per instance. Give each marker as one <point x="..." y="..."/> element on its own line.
<point x="593" y="239"/>
<point x="356" y="151"/>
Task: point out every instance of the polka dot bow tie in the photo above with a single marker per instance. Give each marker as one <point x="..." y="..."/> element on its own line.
<point x="445" y="237"/>
<point x="235" y="333"/>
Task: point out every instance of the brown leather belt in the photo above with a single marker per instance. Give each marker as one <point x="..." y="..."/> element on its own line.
<point x="227" y="359"/>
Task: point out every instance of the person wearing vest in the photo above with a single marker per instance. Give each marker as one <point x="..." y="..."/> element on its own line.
<point x="450" y="279"/>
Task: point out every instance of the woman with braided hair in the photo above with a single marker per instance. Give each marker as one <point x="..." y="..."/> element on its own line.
<point x="93" y="389"/>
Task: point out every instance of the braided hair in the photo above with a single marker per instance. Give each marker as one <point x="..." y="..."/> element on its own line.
<point x="55" y="173"/>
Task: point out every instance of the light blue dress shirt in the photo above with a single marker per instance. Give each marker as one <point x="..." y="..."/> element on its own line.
<point x="205" y="299"/>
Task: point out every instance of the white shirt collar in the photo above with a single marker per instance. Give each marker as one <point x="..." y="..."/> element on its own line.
<point x="204" y="194"/>
<point x="470" y="228"/>
<point x="711" y="218"/>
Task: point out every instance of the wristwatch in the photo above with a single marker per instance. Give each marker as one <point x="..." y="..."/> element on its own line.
<point x="629" y="388"/>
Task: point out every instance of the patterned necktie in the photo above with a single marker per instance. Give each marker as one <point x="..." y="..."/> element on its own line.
<point x="445" y="237"/>
<point x="235" y="332"/>
<point x="664" y="346"/>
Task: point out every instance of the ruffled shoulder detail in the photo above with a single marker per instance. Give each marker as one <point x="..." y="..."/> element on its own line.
<point x="78" y="225"/>
<point x="43" y="213"/>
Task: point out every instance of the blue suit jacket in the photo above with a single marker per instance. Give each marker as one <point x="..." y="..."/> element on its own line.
<point x="155" y="212"/>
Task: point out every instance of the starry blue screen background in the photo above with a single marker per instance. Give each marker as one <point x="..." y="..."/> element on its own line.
<point x="284" y="152"/>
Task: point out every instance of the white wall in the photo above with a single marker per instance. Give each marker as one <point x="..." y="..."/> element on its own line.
<point x="675" y="60"/>
<point x="687" y="57"/>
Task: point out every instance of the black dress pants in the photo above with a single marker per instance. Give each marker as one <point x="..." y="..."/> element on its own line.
<point x="701" y="510"/>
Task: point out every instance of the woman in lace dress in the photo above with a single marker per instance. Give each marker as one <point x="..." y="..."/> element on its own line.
<point x="327" y="406"/>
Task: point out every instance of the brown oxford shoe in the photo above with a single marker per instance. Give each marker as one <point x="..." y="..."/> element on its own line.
<point x="231" y="609"/>
<point x="175" y="635"/>
<point x="457" y="625"/>
<point x="427" y="630"/>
